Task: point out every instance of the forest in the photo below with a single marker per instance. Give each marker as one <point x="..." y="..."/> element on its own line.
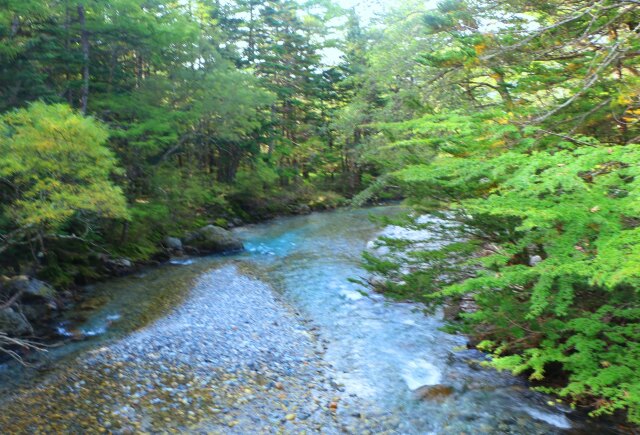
<point x="515" y="123"/>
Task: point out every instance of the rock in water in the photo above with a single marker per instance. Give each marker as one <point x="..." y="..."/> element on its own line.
<point x="437" y="392"/>
<point x="212" y="240"/>
<point x="302" y="209"/>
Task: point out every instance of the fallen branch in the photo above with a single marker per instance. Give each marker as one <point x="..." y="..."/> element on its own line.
<point x="11" y="300"/>
<point x="5" y="340"/>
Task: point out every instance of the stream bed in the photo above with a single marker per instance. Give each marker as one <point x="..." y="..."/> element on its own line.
<point x="276" y="339"/>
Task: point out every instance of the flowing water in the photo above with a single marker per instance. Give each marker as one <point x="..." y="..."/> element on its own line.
<point x="380" y="350"/>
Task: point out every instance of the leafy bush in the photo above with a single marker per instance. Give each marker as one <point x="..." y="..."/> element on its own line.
<point x="557" y="282"/>
<point x="56" y="177"/>
<point x="523" y="139"/>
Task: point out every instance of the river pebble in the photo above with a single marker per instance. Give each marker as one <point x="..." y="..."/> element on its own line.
<point x="232" y="359"/>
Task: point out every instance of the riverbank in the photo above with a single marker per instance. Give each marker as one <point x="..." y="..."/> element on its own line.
<point x="390" y="365"/>
<point x="231" y="359"/>
<point x="37" y="318"/>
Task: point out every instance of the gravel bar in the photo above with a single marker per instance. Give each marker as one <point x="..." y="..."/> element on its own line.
<point x="234" y="358"/>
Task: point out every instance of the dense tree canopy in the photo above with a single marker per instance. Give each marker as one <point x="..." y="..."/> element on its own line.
<point x="212" y="109"/>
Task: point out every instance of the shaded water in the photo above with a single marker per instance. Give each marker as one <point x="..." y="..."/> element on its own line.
<point x="381" y="350"/>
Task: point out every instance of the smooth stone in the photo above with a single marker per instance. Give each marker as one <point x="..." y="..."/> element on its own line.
<point x="212" y="239"/>
<point x="433" y="392"/>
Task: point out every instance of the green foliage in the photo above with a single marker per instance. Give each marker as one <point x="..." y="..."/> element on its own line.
<point x="256" y="180"/>
<point x="530" y="159"/>
<point x="177" y="205"/>
<point x="571" y="208"/>
<point x="515" y="123"/>
<point x="55" y="169"/>
<point x="212" y="108"/>
<point x="326" y="200"/>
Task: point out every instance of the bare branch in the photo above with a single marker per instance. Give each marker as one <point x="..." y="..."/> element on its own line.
<point x="12" y="300"/>
<point x="613" y="55"/>
<point x="6" y="342"/>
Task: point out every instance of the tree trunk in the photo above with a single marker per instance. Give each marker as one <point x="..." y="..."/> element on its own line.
<point x="125" y="232"/>
<point x="252" y="42"/>
<point x="272" y="139"/>
<point x="15" y="25"/>
<point x="67" y="23"/>
<point x="84" y="39"/>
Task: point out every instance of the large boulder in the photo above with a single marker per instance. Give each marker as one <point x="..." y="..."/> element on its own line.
<point x="173" y="244"/>
<point x="213" y="240"/>
<point x="34" y="288"/>
<point x="30" y="288"/>
<point x="37" y="302"/>
<point x="13" y="323"/>
<point x="116" y="266"/>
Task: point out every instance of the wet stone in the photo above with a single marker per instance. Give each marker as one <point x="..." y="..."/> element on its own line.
<point x="433" y="392"/>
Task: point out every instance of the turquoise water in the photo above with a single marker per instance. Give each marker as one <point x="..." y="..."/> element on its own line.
<point x="381" y="350"/>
